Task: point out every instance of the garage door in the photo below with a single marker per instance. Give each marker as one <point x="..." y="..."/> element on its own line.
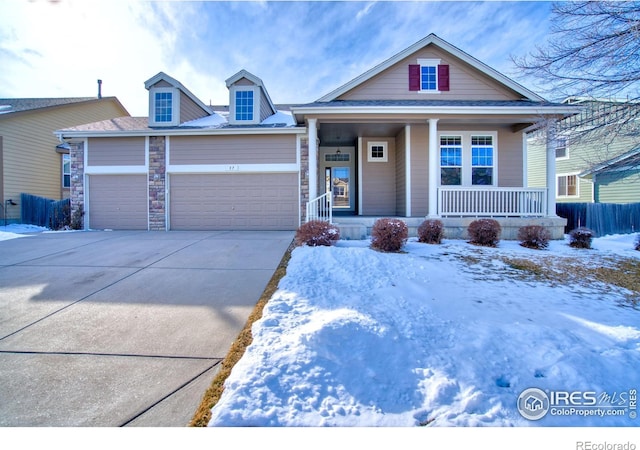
<point x="234" y="201"/>
<point x="118" y="202"/>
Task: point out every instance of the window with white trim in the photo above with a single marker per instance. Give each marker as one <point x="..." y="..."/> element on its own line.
<point x="66" y="170"/>
<point x="468" y="158"/>
<point x="429" y="75"/>
<point x="482" y="160"/>
<point x="244" y="105"/>
<point x="450" y="160"/>
<point x="377" y="152"/>
<point x="164" y="104"/>
<point x="561" y="149"/>
<point x="567" y="186"/>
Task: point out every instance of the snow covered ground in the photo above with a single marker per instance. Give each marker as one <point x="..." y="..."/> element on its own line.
<point x="441" y="335"/>
<point x="13" y="231"/>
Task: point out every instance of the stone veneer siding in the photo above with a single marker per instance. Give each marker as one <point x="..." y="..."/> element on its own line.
<point x="157" y="183"/>
<point x="304" y="178"/>
<point x="76" y="190"/>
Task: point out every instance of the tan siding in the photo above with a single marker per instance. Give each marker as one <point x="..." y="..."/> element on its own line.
<point x="189" y="110"/>
<point x="401" y="175"/>
<point x="419" y="170"/>
<point x="244" y="82"/>
<point x="510" y="158"/>
<point x="265" y="109"/>
<point x="234" y="201"/>
<point x="118" y="202"/>
<point x="378" y="181"/>
<point x="466" y="83"/>
<point x="233" y="150"/>
<point x="161" y="84"/>
<point x="31" y="163"/>
<point x="119" y="151"/>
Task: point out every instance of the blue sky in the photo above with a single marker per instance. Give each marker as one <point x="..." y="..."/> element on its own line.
<point x="301" y="50"/>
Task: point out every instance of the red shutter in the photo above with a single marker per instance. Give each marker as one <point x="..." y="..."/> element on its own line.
<point x="443" y="77"/>
<point x="414" y="77"/>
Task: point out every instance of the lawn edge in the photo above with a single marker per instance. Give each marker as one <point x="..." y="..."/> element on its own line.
<point x="212" y="395"/>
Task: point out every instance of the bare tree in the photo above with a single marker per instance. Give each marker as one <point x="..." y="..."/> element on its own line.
<point x="592" y="58"/>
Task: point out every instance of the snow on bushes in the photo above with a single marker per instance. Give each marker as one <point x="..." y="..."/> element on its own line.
<point x="580" y="237"/>
<point x="317" y="232"/>
<point x="431" y="231"/>
<point x="485" y="232"/>
<point x="389" y="235"/>
<point x="534" y="236"/>
<point x="637" y="247"/>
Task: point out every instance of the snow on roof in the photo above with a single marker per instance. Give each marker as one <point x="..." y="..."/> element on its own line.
<point x="280" y="117"/>
<point x="214" y="120"/>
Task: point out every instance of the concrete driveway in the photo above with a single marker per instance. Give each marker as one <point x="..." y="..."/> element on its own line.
<point x="123" y="328"/>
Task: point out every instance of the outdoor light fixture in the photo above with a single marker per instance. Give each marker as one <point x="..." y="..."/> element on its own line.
<point x="12" y="203"/>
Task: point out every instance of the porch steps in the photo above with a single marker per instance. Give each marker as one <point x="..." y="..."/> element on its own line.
<point x="359" y="227"/>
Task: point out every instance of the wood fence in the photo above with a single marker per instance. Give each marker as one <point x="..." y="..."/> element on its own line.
<point x="44" y="212"/>
<point x="602" y="218"/>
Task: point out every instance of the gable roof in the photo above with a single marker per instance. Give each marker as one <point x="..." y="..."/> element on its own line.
<point x="255" y="80"/>
<point x="432" y="39"/>
<point x="630" y="159"/>
<point x="17" y="105"/>
<point x="161" y="76"/>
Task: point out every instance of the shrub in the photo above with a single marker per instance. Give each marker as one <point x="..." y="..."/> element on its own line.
<point x="580" y="237"/>
<point x="534" y="236"/>
<point x="77" y="218"/>
<point x="389" y="235"/>
<point x="317" y="232"/>
<point x="431" y="231"/>
<point x="638" y="242"/>
<point x="485" y="232"/>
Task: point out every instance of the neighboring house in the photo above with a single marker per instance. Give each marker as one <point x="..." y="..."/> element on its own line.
<point x="597" y="159"/>
<point x="430" y="132"/>
<point x="32" y="158"/>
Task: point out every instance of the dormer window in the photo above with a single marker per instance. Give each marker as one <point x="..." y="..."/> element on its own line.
<point x="244" y="105"/>
<point x="429" y="76"/>
<point x="164" y="107"/>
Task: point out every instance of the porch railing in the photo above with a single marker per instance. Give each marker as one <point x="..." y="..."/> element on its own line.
<point x="320" y="208"/>
<point x="492" y="202"/>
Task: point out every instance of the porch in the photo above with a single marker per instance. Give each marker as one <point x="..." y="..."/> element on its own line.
<point x="457" y="207"/>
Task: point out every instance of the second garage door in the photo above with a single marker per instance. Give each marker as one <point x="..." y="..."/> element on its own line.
<point x="234" y="201"/>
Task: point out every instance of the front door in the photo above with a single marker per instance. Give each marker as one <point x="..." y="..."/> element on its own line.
<point x="337" y="166"/>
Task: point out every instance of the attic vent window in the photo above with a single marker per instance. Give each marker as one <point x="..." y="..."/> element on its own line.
<point x="244" y="105"/>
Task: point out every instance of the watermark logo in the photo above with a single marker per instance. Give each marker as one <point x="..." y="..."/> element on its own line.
<point x="534" y="403"/>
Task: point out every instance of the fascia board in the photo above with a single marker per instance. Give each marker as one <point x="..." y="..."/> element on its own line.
<point x="173" y="132"/>
<point x="543" y="110"/>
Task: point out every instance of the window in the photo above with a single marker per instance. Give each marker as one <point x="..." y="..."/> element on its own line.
<point x="561" y="149"/>
<point x="429" y="76"/>
<point x="428" y="79"/>
<point x="482" y="160"/>
<point x="567" y="186"/>
<point x="66" y="170"/>
<point x="163" y="110"/>
<point x="377" y="152"/>
<point x="450" y="160"/>
<point x="244" y="105"/>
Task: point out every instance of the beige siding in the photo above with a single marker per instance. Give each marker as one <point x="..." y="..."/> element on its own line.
<point x="189" y="110"/>
<point x="419" y="170"/>
<point x="161" y="84"/>
<point x="466" y="83"/>
<point x="118" y="202"/>
<point x="118" y="151"/>
<point x="234" y="201"/>
<point x="265" y="109"/>
<point x="379" y="181"/>
<point x="279" y="149"/>
<point x="31" y="163"/>
<point x="401" y="174"/>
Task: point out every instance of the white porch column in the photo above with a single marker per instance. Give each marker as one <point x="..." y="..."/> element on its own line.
<point x="433" y="168"/>
<point x="313" y="158"/>
<point x="407" y="168"/>
<point x="551" y="168"/>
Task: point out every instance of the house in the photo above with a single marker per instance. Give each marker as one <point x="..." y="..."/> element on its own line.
<point x="32" y="160"/>
<point x="597" y="154"/>
<point x="430" y="132"/>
